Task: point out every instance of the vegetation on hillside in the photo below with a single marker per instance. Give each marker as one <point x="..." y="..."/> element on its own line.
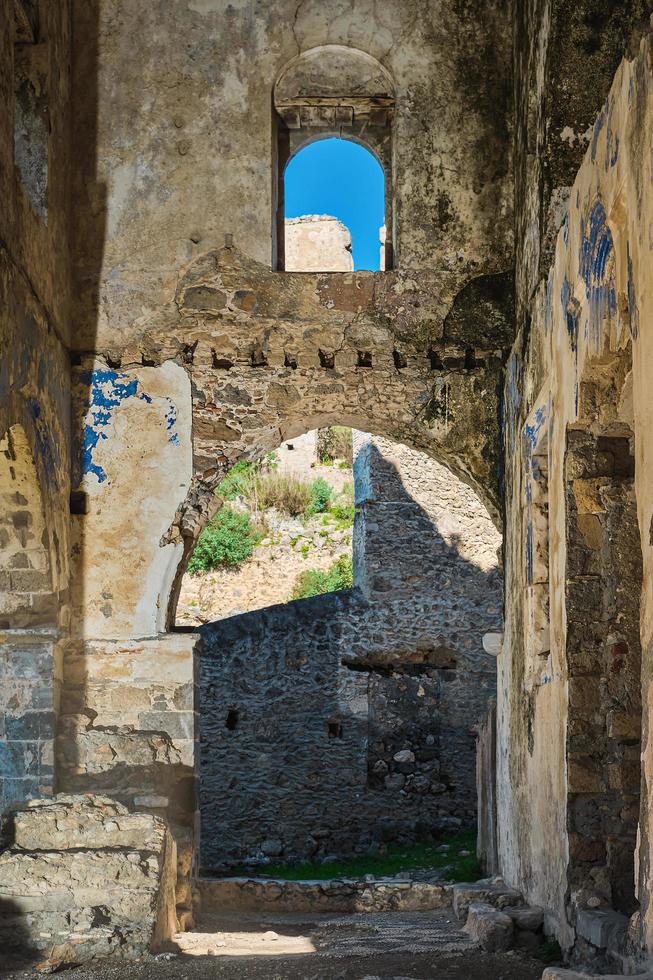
<point x="228" y="540"/>
<point x="251" y="489"/>
<point x="340" y="575"/>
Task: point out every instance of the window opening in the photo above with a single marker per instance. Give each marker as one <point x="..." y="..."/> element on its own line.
<point x="334" y="208"/>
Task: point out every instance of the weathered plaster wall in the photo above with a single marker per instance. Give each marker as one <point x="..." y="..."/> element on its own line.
<point x="34" y="397"/>
<point x="569" y="379"/>
<point x="176" y="138"/>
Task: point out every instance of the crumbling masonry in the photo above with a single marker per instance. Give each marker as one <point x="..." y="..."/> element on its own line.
<point x="150" y="337"/>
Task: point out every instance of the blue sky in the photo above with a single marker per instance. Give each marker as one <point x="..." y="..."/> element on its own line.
<point x="338" y="177"/>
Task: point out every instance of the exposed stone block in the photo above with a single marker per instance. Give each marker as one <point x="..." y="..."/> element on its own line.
<point x="489" y="892"/>
<point x="601" y="927"/>
<point x="95" y="881"/>
<point x="66" y="822"/>
<point x="490" y="927"/>
<point x="528" y="918"/>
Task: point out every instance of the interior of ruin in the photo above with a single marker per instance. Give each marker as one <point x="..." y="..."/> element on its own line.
<point x="164" y="319"/>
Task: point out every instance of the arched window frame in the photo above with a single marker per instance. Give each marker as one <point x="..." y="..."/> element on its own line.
<point x="361" y="117"/>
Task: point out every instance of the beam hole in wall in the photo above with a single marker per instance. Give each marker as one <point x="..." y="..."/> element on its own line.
<point x="327" y="359"/>
<point x="400" y="360"/>
<point x="220" y="362"/>
<point x="435" y="361"/>
<point x="334" y="729"/>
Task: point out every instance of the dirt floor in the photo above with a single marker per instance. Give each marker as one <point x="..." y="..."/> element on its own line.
<point x="402" y="946"/>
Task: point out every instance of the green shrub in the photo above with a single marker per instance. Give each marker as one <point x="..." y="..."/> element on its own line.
<point x="344" y="514"/>
<point x="320" y="496"/>
<point x="314" y="582"/>
<point x="342" y="509"/>
<point x="228" y="540"/>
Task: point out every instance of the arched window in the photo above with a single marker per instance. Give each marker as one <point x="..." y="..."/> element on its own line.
<point x="333" y="91"/>
<point x="334" y="208"/>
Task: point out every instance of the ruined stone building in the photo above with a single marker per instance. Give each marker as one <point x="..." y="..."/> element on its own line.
<point x="378" y="690"/>
<point x="153" y="333"/>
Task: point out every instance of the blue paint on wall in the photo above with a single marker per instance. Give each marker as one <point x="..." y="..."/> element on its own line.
<point x="107" y="390"/>
<point x="532" y="430"/>
<point x="633" y="311"/>
<point x="597" y="270"/>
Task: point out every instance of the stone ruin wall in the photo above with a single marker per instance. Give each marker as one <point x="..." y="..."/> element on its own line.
<point x="575" y="661"/>
<point x="317" y="243"/>
<point x="129" y="254"/>
<point x="35" y="442"/>
<point x="365" y="702"/>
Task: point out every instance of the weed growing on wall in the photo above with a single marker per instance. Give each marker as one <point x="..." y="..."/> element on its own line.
<point x="228" y="540"/>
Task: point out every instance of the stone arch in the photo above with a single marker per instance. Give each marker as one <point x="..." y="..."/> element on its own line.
<point x="25" y="560"/>
<point x="332" y="90"/>
<point x="271" y="356"/>
<point x="201" y="502"/>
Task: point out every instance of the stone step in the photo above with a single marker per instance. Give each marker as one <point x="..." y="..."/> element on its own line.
<point x="557" y="973"/>
<point x="334" y="895"/>
<point x="489" y="891"/>
<point x="496" y="929"/>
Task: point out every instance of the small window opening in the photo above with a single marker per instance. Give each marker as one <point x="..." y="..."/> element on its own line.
<point x="364" y="359"/>
<point x="232" y="719"/>
<point x="290" y="362"/>
<point x="327" y="360"/>
<point x="334" y="729"/>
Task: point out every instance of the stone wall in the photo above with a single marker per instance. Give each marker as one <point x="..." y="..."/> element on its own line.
<point x="35" y="286"/>
<point x="578" y="560"/>
<point x="317" y="243"/>
<point x="110" y="883"/>
<point x="376" y="692"/>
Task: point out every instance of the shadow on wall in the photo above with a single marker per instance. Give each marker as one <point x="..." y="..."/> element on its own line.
<point x="338" y="724"/>
<point x="15" y="937"/>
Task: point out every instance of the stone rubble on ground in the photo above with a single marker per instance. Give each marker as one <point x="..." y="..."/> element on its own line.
<point x="489" y="927"/>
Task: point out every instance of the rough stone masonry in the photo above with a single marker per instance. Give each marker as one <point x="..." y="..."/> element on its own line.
<point x="142" y="280"/>
<point x="377" y="691"/>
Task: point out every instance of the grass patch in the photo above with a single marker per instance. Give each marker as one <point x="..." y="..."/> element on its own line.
<point x="312" y="582"/>
<point x="414" y="857"/>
